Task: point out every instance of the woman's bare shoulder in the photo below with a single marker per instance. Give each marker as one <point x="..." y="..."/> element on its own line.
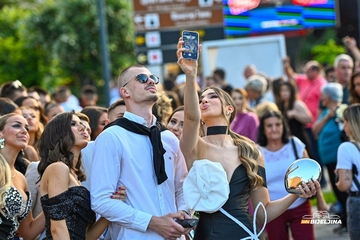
<point x="57" y="168"/>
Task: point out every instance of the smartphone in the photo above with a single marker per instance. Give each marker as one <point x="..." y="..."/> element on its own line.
<point x="188" y="223"/>
<point x="191" y="43"/>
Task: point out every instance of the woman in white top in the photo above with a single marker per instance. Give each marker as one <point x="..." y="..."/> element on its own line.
<point x="348" y="160"/>
<point x="279" y="152"/>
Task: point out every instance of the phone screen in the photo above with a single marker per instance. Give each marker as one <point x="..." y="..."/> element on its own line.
<point x="191" y="43"/>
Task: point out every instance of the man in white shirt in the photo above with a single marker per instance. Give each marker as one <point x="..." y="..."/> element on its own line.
<point x="124" y="158"/>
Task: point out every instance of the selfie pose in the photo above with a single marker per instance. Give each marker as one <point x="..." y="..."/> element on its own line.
<point x="239" y="157"/>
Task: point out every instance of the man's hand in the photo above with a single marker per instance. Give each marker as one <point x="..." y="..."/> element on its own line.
<point x="166" y="225"/>
<point x="349" y="42"/>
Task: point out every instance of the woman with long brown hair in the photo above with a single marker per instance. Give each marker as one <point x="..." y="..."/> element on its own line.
<point x="66" y="204"/>
<point x="238" y="156"/>
<point x="15" y="201"/>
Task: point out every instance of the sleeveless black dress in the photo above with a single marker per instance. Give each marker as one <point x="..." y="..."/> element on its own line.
<point x="216" y="225"/>
<point x="72" y="205"/>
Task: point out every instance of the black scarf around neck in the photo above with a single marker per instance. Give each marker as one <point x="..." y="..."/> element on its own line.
<point x="155" y="139"/>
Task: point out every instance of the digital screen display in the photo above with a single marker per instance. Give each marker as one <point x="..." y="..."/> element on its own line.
<point x="245" y="17"/>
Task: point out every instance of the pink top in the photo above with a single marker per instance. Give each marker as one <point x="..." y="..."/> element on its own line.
<point x="310" y="93"/>
<point x="246" y="124"/>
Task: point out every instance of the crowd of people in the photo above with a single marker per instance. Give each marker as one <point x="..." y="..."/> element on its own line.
<point x="71" y="169"/>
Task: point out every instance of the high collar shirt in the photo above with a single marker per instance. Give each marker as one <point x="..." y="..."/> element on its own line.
<point x="124" y="158"/>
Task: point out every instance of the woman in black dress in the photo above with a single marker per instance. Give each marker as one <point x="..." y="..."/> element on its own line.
<point x="296" y="113"/>
<point x="66" y="204"/>
<point x="239" y="157"/>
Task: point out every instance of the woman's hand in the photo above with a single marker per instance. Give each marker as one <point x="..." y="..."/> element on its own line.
<point x="120" y="194"/>
<point x="188" y="66"/>
<point x="291" y="114"/>
<point x="309" y="189"/>
<point x="332" y="112"/>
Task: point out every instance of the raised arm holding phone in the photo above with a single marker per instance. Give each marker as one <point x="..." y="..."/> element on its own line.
<point x="238" y="156"/>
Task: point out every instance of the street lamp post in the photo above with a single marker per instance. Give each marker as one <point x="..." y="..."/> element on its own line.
<point x="105" y="60"/>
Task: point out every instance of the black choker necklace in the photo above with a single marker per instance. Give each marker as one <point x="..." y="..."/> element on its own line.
<point x="217" y="130"/>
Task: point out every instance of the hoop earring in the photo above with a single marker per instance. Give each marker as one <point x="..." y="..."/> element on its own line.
<point x="2" y="143"/>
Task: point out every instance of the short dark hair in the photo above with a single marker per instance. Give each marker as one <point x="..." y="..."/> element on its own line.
<point x="220" y="72"/>
<point x="8" y="89"/>
<point x="88" y="89"/>
<point x="7" y="106"/>
<point x="39" y="90"/>
<point x="119" y="102"/>
<point x="315" y="68"/>
<point x="329" y="69"/>
<point x="262" y="139"/>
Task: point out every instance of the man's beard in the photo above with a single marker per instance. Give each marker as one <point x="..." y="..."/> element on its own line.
<point x="152" y="98"/>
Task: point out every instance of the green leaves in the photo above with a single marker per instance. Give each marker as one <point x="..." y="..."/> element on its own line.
<point x="326" y="53"/>
<point x="58" y="42"/>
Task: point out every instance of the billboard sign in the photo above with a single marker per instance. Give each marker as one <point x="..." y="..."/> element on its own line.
<point x="246" y="17"/>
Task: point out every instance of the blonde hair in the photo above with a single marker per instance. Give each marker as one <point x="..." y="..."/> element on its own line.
<point x="162" y="108"/>
<point x="247" y="149"/>
<point x="5" y="180"/>
<point x="352" y="115"/>
<point x="264" y="107"/>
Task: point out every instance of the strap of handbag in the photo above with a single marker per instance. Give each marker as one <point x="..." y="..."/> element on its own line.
<point x="294" y="148"/>
<point x="355" y="172"/>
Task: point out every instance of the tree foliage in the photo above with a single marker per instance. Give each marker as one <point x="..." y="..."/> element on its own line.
<point x="64" y="41"/>
<point x="17" y="59"/>
<point x="321" y="45"/>
<point x="326" y="53"/>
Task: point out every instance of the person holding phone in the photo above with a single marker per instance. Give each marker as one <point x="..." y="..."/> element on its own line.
<point x="239" y="156"/>
<point x="191" y="42"/>
<point x="136" y="151"/>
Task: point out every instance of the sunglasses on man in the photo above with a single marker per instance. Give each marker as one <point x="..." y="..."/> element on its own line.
<point x="143" y="78"/>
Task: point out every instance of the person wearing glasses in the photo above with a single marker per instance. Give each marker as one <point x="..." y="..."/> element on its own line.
<point x="138" y="152"/>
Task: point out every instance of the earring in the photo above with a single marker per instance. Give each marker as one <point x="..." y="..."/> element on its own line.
<point x="2" y="143"/>
<point x="227" y="113"/>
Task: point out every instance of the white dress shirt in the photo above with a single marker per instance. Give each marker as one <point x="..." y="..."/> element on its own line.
<point x="124" y="158"/>
<point x="276" y="165"/>
<point x="86" y="158"/>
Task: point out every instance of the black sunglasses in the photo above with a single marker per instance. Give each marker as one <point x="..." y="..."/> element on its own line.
<point x="143" y="78"/>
